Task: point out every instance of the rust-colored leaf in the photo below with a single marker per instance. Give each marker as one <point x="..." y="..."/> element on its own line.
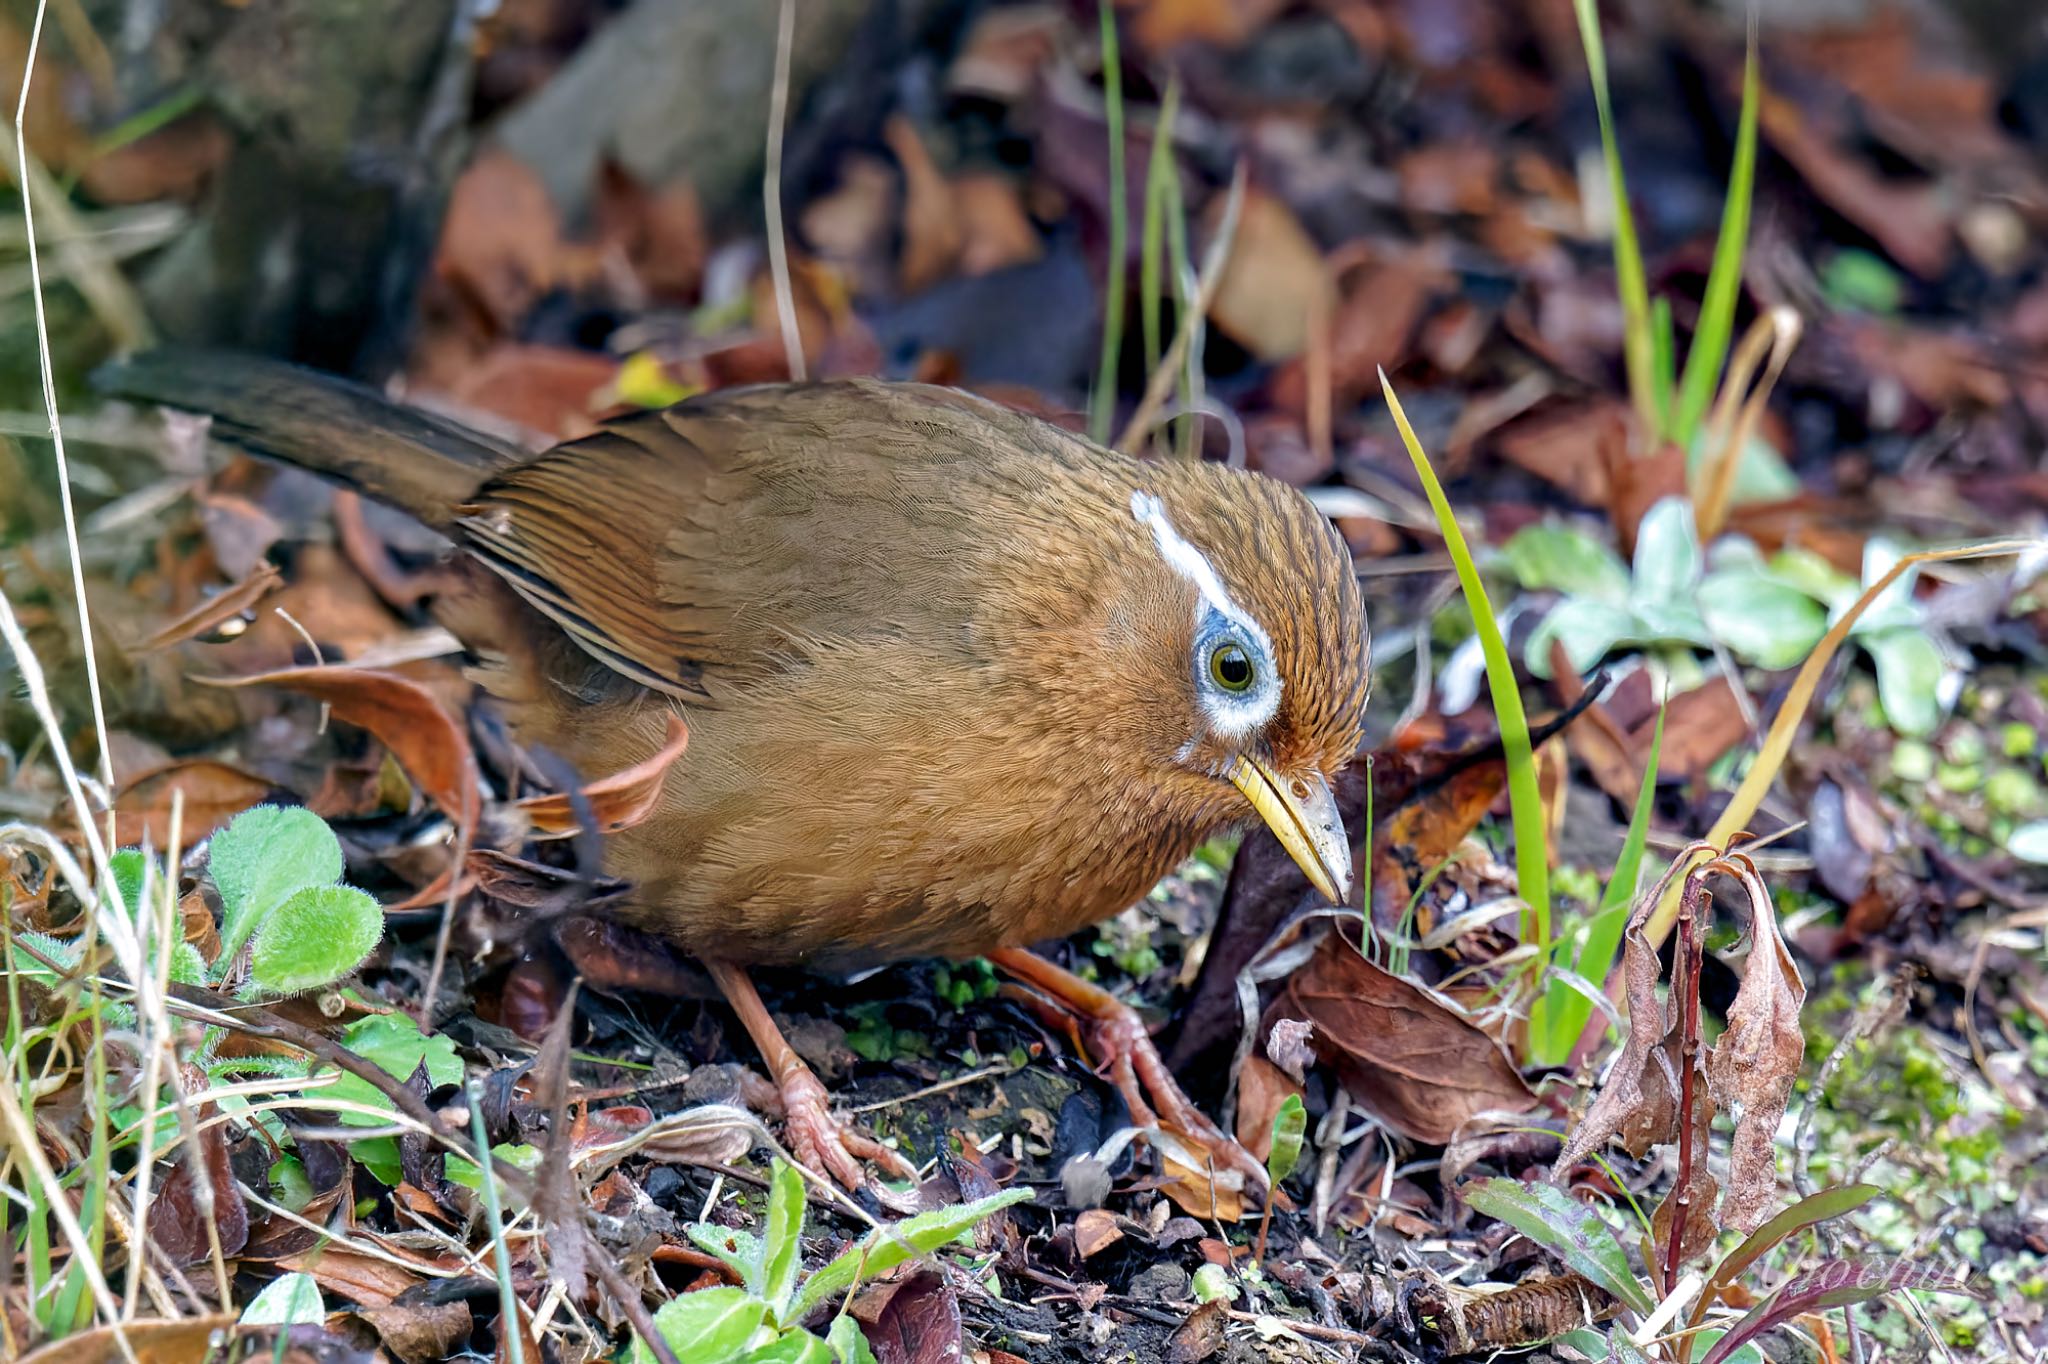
<point x="919" y="1324"/>
<point x="223" y="606"/>
<point x="405" y="717"/>
<point x="619" y="801"/>
<point x="1274" y="283"/>
<point x="214" y="794"/>
<point x="154" y="1342"/>
<point x="420" y="1332"/>
<point x="1095" y="1230"/>
<point x="1261" y="1088"/>
<point x="1408" y="1057"/>
<point x="181" y="1213"/>
<point x="1752" y="1068"/>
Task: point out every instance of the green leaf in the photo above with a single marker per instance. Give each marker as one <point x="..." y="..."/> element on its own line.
<point x="1836" y="1283"/>
<point x="265" y="854"/>
<point x="796" y="1347"/>
<point x="1892" y="608"/>
<point x="781" y="1234"/>
<point x="317" y="936"/>
<point x="881" y="1251"/>
<point x="1630" y="282"/>
<point x="187" y="966"/>
<point x="1809" y="1211"/>
<point x="128" y="869"/>
<point x="1761" y="474"/>
<point x="849" y="1346"/>
<point x="518" y="1153"/>
<point x="1553" y="1219"/>
<point x="1667" y="564"/>
<point x="1761" y="620"/>
<point x="709" y="1326"/>
<point x="1816" y="577"/>
<point x="1857" y="280"/>
<point x="1525" y="800"/>
<point x="393" y="1044"/>
<point x="2029" y="843"/>
<point x="1548" y="555"/>
<point x="1290" y="1124"/>
<point x="287" y="1300"/>
<point x="738" y="1247"/>
<point x="1708" y="357"/>
<point x="1909" y="676"/>
<point x="1589" y="630"/>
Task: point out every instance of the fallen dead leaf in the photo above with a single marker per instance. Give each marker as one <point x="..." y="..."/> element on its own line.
<point x="153" y="1342"/>
<point x="1095" y="1230"/>
<point x="617" y="802"/>
<point x="1908" y="221"/>
<point x="1161" y="24"/>
<point x="213" y="793"/>
<point x="1275" y="281"/>
<point x="1408" y="1057"/>
<point x="501" y="243"/>
<point x="405" y="717"/>
<point x="932" y="234"/>
<point x="420" y="1332"/>
<point x="228" y="604"/>
<point x="1261" y="1088"/>
<point x="917" y="1323"/>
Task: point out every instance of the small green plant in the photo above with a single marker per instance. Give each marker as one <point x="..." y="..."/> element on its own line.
<point x="278" y="871"/>
<point x="761" y="1321"/>
<point x="1290" y="1127"/>
<point x="1769" y="612"/>
<point x="1674" y="408"/>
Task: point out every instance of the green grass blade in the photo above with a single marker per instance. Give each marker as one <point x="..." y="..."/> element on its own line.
<point x="1102" y="403"/>
<point x="1159" y="170"/>
<point x="1629" y="279"/>
<point x="1566" y="1011"/>
<point x="1663" y="360"/>
<point x="1710" y="342"/>
<point x="1532" y="866"/>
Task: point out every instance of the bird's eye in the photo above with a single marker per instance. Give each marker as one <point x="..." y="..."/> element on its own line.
<point x="1231" y="667"/>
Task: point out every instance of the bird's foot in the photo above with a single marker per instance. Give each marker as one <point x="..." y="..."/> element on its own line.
<point x="1125" y="1056"/>
<point x="824" y="1144"/>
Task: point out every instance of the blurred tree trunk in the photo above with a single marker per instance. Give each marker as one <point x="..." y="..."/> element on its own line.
<point x="347" y="118"/>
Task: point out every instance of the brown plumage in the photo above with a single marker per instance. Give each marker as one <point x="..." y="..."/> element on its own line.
<point x="955" y="681"/>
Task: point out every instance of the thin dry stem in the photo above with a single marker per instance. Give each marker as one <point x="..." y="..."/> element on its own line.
<point x="771" y="195"/>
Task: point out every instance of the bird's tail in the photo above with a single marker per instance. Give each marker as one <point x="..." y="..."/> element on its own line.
<point x="413" y="460"/>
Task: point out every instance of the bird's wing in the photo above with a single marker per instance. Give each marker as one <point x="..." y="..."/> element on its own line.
<point x="720" y="539"/>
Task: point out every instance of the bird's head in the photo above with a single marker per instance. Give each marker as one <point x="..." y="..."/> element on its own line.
<point x="1256" y="656"/>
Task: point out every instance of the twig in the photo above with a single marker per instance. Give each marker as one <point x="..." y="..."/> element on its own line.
<point x="1190" y="322"/>
<point x="771" y="195"/>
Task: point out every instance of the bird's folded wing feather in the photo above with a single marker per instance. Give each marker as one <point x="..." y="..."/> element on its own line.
<point x="720" y="540"/>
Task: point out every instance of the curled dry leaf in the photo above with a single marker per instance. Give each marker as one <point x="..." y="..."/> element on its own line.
<point x="186" y="1204"/>
<point x="152" y="1342"/>
<point x="1406" y="1055"/>
<point x="619" y="801"/>
<point x="1753" y="1067"/>
<point x="420" y="1332"/>
<point x="213" y="792"/>
<point x="223" y="606"/>
<point x="404" y="716"/>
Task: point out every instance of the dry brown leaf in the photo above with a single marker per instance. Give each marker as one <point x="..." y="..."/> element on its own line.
<point x="932" y="236"/>
<point x="1275" y="281"/>
<point x="1564" y="446"/>
<point x="214" y="793"/>
<point x="154" y="1342"/>
<point x="619" y="801"/>
<point x="223" y="606"/>
<point x="1696" y="1196"/>
<point x="1640" y="1100"/>
<point x="1095" y="1230"/>
<point x="1909" y="222"/>
<point x="1700" y="726"/>
<point x="1160" y="24"/>
<point x="180" y="1216"/>
<point x="1751" y="1070"/>
<point x="368" y="1281"/>
<point x="501" y="243"/>
<point x="1261" y="1088"/>
<point x="996" y="231"/>
<point x="420" y="1333"/>
<point x="1449" y="177"/>
<point x="405" y="717"/>
<point x="1194" y="1192"/>
<point x="550" y="390"/>
<point x="1407" y="1057"/>
<point x="919" y="1323"/>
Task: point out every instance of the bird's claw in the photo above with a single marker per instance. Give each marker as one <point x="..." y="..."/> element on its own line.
<point x="1128" y="1059"/>
<point x="824" y="1144"/>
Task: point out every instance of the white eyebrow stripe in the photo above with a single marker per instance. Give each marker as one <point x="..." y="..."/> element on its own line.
<point x="1184" y="559"/>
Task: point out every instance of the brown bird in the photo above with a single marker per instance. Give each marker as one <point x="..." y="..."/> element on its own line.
<point x="957" y="680"/>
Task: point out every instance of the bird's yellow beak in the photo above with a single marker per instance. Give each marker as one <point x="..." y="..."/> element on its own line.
<point x="1302" y="813"/>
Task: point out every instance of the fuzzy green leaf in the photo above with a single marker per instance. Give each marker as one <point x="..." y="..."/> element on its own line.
<point x="265" y="854"/>
<point x="709" y="1326"/>
<point x="795" y="1347"/>
<point x="1587" y="629"/>
<point x="781" y="1232"/>
<point x="738" y="1247"/>
<point x="317" y="936"/>
<point x="849" y="1346"/>
<point x="1667" y="564"/>
<point x="881" y="1251"/>
<point x="1553" y="1219"/>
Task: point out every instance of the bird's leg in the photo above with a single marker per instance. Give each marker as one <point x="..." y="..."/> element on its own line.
<point x="1125" y="1054"/>
<point x="821" y="1141"/>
